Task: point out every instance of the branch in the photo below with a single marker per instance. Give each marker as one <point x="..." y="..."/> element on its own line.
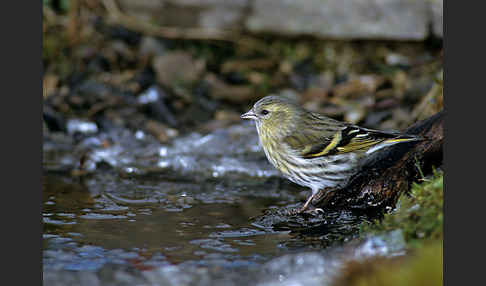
<point x="117" y="17"/>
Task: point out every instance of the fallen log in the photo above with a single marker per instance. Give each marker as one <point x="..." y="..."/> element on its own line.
<point x="385" y="178"/>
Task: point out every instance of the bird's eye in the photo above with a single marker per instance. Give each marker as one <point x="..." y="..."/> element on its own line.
<point x="265" y="112"/>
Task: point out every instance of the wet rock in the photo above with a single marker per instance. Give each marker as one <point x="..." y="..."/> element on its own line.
<point x="81" y="126"/>
<point x="329" y="226"/>
<point x="177" y="68"/>
<point x="160" y="131"/>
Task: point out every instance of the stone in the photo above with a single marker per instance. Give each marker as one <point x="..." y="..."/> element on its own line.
<point x="344" y="19"/>
<point x="150" y="46"/>
<point x="177" y="67"/>
<point x="213" y="14"/>
<point x="437" y="7"/>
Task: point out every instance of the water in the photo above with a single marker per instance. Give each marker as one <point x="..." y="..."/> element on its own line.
<point x="156" y="221"/>
<point x="206" y="209"/>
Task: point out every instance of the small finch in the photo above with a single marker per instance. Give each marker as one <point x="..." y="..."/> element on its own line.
<point x="313" y="150"/>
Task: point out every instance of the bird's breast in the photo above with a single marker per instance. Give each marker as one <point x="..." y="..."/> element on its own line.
<point x="273" y="150"/>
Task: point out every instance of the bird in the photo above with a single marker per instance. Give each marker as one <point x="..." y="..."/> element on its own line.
<point x="313" y="150"/>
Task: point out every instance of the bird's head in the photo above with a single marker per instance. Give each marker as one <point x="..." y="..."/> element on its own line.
<point x="275" y="114"/>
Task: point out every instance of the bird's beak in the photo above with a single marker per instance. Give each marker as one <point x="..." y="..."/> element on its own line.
<point x="249" y="115"/>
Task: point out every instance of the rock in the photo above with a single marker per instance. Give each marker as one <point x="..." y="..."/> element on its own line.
<point x="437" y="7"/>
<point x="82" y="126"/>
<point x="358" y="85"/>
<point x="212" y="14"/>
<point x="222" y="16"/>
<point x="150" y="46"/>
<point x="177" y="68"/>
<point x="345" y="19"/>
<point x="160" y="131"/>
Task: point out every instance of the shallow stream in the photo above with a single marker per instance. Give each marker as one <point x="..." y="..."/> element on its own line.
<point x="148" y="213"/>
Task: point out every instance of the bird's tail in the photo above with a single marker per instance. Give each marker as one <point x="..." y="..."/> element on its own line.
<point x="403" y="138"/>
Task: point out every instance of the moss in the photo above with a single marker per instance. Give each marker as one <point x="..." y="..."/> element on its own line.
<point x="421" y="268"/>
<point x="419" y="214"/>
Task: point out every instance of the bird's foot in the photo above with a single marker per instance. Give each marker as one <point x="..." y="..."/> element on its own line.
<point x="310" y="210"/>
<point x="307" y="209"/>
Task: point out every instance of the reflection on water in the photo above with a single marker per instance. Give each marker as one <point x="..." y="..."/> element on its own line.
<point x="196" y="210"/>
<point x="149" y="221"/>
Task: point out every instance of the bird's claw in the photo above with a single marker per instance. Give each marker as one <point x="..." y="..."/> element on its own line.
<point x="308" y="210"/>
<point x="314" y="211"/>
<point x="317" y="211"/>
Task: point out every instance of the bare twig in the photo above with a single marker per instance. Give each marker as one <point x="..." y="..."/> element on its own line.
<point x="117" y="17"/>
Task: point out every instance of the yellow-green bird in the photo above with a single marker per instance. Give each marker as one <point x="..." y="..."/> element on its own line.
<point x="313" y="150"/>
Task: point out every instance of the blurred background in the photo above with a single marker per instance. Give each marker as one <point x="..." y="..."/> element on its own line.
<point x="148" y="166"/>
<point x="171" y="66"/>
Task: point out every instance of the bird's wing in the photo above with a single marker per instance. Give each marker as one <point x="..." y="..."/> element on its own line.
<point x="311" y="143"/>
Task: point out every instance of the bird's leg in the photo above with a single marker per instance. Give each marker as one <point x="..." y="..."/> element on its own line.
<point x="306" y="205"/>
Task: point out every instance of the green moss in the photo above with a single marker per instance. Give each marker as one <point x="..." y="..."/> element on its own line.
<point x="419" y="214"/>
<point x="421" y="268"/>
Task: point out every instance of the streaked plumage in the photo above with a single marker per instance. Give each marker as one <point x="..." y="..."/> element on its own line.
<point x="311" y="149"/>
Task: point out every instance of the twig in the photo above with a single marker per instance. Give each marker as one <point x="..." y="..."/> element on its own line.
<point x="116" y="16"/>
